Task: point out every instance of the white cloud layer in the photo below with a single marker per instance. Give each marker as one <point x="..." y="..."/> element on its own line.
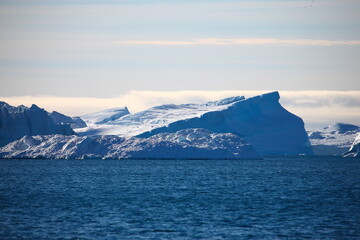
<point x="245" y="41"/>
<point x="317" y="108"/>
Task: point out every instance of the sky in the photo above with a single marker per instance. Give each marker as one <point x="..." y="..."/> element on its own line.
<point x="81" y="56"/>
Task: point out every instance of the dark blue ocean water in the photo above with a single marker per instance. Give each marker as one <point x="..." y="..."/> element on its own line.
<point x="274" y="198"/>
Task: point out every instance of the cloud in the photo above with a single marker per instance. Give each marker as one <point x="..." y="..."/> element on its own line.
<point x="315" y="107"/>
<point x="244" y="41"/>
<point x="320" y="108"/>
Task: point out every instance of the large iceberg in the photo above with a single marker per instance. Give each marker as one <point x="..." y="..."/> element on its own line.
<point x="184" y="144"/>
<point x="16" y="122"/>
<point x="334" y="139"/>
<point x="260" y="120"/>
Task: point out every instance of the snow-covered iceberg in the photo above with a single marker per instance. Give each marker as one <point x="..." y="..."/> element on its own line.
<point x="118" y="121"/>
<point x="260" y="120"/>
<point x="354" y="150"/>
<point x="184" y="144"/>
<point x="334" y="139"/>
<point x="16" y="122"/>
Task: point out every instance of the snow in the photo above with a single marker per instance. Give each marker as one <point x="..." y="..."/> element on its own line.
<point x="155" y="117"/>
<point x="105" y="116"/>
<point x="334" y="139"/>
<point x="184" y="144"/>
<point x="260" y="120"/>
<point x="16" y="122"/>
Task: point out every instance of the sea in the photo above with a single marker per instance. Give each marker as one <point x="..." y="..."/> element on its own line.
<point x="274" y="198"/>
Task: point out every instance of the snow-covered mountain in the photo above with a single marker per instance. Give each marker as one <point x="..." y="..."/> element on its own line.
<point x="16" y="122"/>
<point x="184" y="144"/>
<point x="334" y="139"/>
<point x="74" y="122"/>
<point x="354" y="150"/>
<point x="260" y="120"/>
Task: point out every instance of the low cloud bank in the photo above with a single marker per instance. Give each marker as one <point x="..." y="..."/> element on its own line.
<point x="317" y="108"/>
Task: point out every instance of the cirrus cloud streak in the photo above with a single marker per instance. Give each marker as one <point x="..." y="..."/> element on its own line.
<point x="243" y="41"/>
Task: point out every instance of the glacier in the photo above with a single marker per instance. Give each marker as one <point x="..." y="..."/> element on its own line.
<point x="334" y="139"/>
<point x="16" y="122"/>
<point x="260" y="120"/>
<point x="184" y="144"/>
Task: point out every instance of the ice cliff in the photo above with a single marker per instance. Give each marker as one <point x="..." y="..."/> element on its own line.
<point x="16" y="122"/>
<point x="184" y="144"/>
<point x="354" y="149"/>
<point x="260" y="120"/>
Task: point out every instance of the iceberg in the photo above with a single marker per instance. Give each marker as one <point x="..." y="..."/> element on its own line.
<point x="334" y="139"/>
<point x="16" y="122"/>
<point x="260" y="120"/>
<point x="183" y="144"/>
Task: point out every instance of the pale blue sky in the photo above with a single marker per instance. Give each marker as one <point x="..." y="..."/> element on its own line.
<point x="103" y="49"/>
